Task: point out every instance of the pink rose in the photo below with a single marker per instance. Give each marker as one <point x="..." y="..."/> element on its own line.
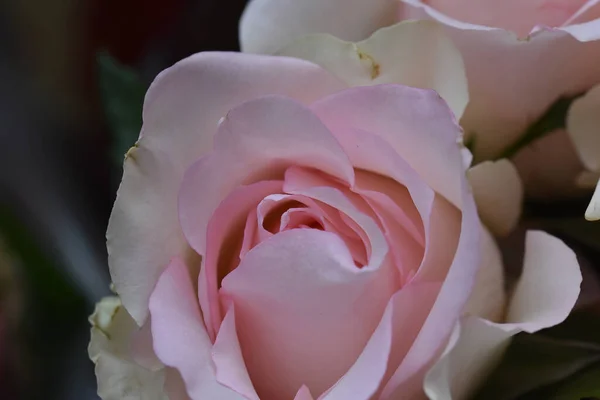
<point x="280" y="236"/>
<point x="520" y="57"/>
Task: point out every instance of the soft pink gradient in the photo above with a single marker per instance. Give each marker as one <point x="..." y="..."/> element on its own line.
<point x="339" y="243"/>
<point x="520" y="57"/>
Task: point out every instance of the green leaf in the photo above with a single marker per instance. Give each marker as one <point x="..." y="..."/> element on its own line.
<point x="554" y="118"/>
<point x="534" y="361"/>
<point x="122" y="93"/>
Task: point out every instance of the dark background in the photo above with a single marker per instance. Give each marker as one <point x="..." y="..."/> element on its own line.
<point x="60" y="166"/>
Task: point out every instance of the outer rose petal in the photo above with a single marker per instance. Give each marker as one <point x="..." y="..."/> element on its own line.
<point x="229" y="362"/>
<point x="549" y="167"/>
<point x="416" y="123"/>
<point x="303" y="394"/>
<point x="180" y="338"/>
<point x="488" y="298"/>
<point x="498" y="193"/>
<point x="268" y="25"/>
<point x="592" y="213"/>
<point x="181" y="112"/>
<point x="544" y="296"/>
<point x="583" y="125"/>
<point x="514" y="15"/>
<point x="407" y="379"/>
<point x="415" y="53"/>
<point x="508" y="89"/>
<point x="119" y="377"/>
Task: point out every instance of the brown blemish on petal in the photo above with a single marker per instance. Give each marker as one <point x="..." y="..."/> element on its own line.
<point x="372" y="64"/>
<point x="131" y="152"/>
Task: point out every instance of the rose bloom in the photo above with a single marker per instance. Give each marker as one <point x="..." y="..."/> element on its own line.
<point x="520" y="57"/>
<point x="278" y="235"/>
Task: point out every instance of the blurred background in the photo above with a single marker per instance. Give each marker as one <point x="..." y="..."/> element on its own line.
<point x="72" y="79"/>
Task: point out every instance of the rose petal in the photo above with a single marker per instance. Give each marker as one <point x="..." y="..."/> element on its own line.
<point x="488" y="298"/>
<point x="454" y="293"/>
<point x="322" y="310"/>
<point x="586" y="12"/>
<point x="498" y="193"/>
<point x="505" y="15"/>
<point x="549" y="285"/>
<point x="474" y="349"/>
<point x="268" y="25"/>
<point x="257" y="141"/>
<point x="411" y="306"/>
<point x="364" y="377"/>
<point x="544" y="296"/>
<point x="181" y="112"/>
<point x="583" y="127"/>
<point x="592" y="213"/>
<point x="142" y="348"/>
<point x="303" y="394"/>
<point x="541" y="176"/>
<point x="416" y="123"/>
<point x="367" y="228"/>
<point x="117" y="374"/>
<point x="503" y="105"/>
<point x="229" y="362"/>
<point x="413" y="53"/>
<point x="180" y="339"/>
<point x="227" y="219"/>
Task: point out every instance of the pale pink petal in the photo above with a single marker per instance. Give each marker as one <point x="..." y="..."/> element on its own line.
<point x="414" y="53"/>
<point x="180" y="339"/>
<point x="548" y="287"/>
<point x="186" y="101"/>
<point x="488" y="299"/>
<point x="221" y="230"/>
<point x="367" y="228"/>
<point x="513" y="15"/>
<point x="586" y="31"/>
<point x="303" y="394"/>
<point x="322" y="310"/>
<point x="416" y="123"/>
<point x="587" y="12"/>
<point x="268" y="25"/>
<point x="498" y="193"/>
<point x="442" y="236"/>
<point x="181" y="113"/>
<point x="507" y="88"/>
<point x="142" y="348"/>
<point x="544" y="297"/>
<point x="331" y="219"/>
<point x="549" y="167"/>
<point x="256" y="141"/>
<point x="453" y="295"/>
<point x="229" y="362"/>
<point x="475" y="347"/>
<point x="583" y="126"/>
<point x="411" y="306"/>
<point x="363" y="378"/>
<point x="592" y="213"/>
